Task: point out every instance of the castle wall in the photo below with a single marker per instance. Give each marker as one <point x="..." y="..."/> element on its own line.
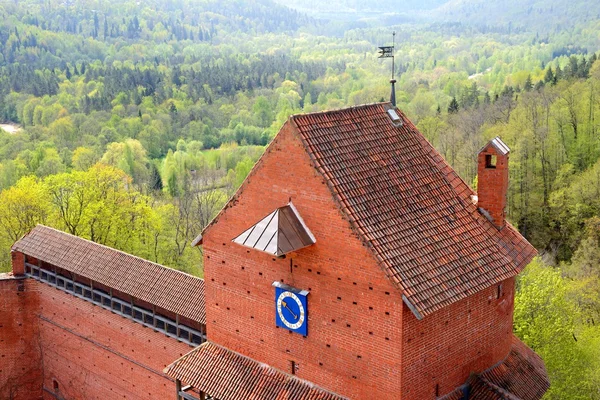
<point x="56" y="345"/>
<point x="355" y="314"/>
<point x="92" y="353"/>
<point x="20" y="353"/>
<point x="443" y="349"/>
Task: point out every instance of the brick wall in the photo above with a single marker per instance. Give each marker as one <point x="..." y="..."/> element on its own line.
<point x="445" y="347"/>
<point x="84" y="351"/>
<point x="92" y="353"/>
<point x="20" y="367"/>
<point x="355" y="314"/>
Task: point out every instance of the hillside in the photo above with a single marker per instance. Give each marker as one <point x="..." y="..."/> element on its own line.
<point x="141" y="118"/>
<point x="520" y="15"/>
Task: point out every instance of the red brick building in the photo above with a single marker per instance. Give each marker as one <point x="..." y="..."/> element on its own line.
<point x="352" y="263"/>
<point x="410" y="277"/>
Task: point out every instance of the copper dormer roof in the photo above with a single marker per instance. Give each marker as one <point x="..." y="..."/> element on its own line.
<point x="279" y="233"/>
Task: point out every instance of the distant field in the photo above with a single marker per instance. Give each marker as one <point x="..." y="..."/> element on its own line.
<point x="10" y="128"/>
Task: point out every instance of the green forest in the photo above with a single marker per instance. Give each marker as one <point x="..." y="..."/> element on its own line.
<point x="131" y="123"/>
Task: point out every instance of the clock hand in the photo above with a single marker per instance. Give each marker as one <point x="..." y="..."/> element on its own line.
<point x="289" y="309"/>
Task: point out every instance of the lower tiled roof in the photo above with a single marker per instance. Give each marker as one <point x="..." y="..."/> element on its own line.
<point x="520" y="376"/>
<point x="164" y="287"/>
<point x="227" y="375"/>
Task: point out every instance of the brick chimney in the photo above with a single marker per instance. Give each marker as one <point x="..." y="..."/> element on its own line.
<point x="492" y="181"/>
<point x="18" y="263"/>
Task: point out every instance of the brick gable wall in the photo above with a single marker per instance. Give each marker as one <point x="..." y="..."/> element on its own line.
<point x="355" y="314"/>
<point x="444" y="348"/>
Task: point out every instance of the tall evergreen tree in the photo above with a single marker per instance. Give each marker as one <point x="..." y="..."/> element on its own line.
<point x="155" y="178"/>
<point x="549" y="77"/>
<point x="453" y="107"/>
<point x="528" y="84"/>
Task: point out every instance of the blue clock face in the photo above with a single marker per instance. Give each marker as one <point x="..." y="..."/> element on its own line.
<point x="291" y="309"/>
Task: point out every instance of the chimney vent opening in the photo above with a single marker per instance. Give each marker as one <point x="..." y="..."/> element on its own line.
<point x="490" y="161"/>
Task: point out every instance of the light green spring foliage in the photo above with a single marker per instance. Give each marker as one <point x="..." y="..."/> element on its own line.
<point x="150" y="218"/>
<point x="177" y="106"/>
<point x="550" y="319"/>
<point x="99" y="204"/>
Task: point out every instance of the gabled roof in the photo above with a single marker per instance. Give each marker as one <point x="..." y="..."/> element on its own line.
<point x="520" y="376"/>
<point x="164" y="287"/>
<point x="409" y="206"/>
<point x="279" y="233"/>
<point x="227" y="375"/>
<point x="497" y="144"/>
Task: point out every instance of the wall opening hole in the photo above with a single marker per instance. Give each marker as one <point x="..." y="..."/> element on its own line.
<point x="490" y="161"/>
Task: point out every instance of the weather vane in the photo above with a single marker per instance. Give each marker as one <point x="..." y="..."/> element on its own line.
<point x="388" y="52"/>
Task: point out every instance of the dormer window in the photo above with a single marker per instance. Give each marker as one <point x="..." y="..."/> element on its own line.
<point x="279" y="233"/>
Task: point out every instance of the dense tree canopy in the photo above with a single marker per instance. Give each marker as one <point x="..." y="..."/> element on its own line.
<point x="131" y="123"/>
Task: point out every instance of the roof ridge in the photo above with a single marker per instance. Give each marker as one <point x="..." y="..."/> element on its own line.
<point x="337" y="110"/>
<point x="105" y="247"/>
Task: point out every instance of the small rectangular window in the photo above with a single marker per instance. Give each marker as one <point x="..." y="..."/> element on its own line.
<point x="490" y="161"/>
<point x="149" y="319"/>
<point x="196" y="339"/>
<point x="138" y="315"/>
<point x="172" y="329"/>
<point x="499" y="291"/>
<point x="126" y="310"/>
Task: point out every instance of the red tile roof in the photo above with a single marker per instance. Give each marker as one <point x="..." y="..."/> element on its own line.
<point x="410" y="207"/>
<point x="164" y="287"/>
<point x="521" y="376"/>
<point x="227" y="375"/>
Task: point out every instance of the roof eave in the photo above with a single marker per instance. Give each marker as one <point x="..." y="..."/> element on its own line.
<point x="412" y="308"/>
